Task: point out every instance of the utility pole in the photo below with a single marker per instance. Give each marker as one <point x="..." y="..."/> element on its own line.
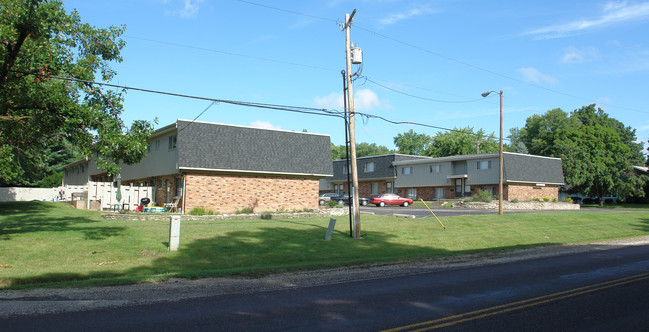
<point x="477" y="146"/>
<point x="352" y="135"/>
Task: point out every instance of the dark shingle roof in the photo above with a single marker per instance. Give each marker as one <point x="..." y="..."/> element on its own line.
<point x="211" y="146"/>
<point x="530" y="168"/>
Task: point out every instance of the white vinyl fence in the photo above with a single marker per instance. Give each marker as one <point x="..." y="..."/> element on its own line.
<point x="106" y="194"/>
<point x="14" y="194"/>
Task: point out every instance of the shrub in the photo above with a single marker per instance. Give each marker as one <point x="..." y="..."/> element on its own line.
<point x="609" y="201"/>
<point x="201" y="211"/>
<point x="555" y="200"/>
<point x="515" y="200"/>
<point x="536" y="199"/>
<point x="244" y="211"/>
<point x="576" y="199"/>
<point x="546" y="199"/>
<point x="568" y="200"/>
<point x="482" y="196"/>
<point x="332" y="204"/>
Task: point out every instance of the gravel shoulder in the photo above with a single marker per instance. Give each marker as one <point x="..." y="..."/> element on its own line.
<point x="45" y="300"/>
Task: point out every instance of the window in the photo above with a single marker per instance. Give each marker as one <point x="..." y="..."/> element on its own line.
<point x="406" y="170"/>
<point x="172" y="142"/>
<point x="489" y="190"/>
<point x="484" y="164"/>
<point x="338" y="188"/>
<point x="374" y="188"/>
<point x="369" y="167"/>
<point x="389" y="187"/>
<point x="440" y="193"/>
<point x="435" y="168"/>
<point x="347" y="170"/>
<point x="83" y="169"/>
<point x="178" y="185"/>
<point x="157" y="144"/>
<point x="411" y="193"/>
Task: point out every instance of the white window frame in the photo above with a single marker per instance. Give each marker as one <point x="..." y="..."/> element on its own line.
<point x="484" y="165"/>
<point x="369" y="167"/>
<point x="172" y="142"/>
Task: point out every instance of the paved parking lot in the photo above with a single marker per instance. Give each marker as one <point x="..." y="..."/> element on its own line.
<point x="421" y="212"/>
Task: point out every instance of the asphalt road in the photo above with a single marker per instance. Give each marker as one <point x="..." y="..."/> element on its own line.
<point x="600" y="290"/>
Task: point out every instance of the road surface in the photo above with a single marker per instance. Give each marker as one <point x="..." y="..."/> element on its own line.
<point x="604" y="290"/>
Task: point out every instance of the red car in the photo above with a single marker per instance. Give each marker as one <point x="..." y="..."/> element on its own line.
<point x="391" y="199"/>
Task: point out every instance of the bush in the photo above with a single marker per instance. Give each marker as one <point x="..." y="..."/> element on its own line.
<point x="609" y="201"/>
<point x="546" y="199"/>
<point x="482" y="196"/>
<point x="536" y="199"/>
<point x="555" y="200"/>
<point x="576" y="199"/>
<point x="568" y="200"/>
<point x="515" y="200"/>
<point x="332" y="204"/>
<point x="244" y="211"/>
<point x="201" y="211"/>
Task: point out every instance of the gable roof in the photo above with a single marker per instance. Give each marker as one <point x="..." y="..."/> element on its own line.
<point x="220" y="147"/>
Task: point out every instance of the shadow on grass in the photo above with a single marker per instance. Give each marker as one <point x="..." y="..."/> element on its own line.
<point x="254" y="254"/>
<point x="31" y="217"/>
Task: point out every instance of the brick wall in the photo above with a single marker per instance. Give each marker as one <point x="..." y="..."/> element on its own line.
<point x="529" y="192"/>
<point x="231" y="193"/>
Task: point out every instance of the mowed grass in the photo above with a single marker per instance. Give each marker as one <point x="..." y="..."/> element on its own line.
<point x="54" y="245"/>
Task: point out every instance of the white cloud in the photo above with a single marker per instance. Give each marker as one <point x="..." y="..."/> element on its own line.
<point x="612" y="13"/>
<point x="364" y="99"/>
<point x="191" y="8"/>
<point x="396" y="17"/>
<point x="575" y="55"/>
<point x="530" y="74"/>
<point x="264" y="125"/>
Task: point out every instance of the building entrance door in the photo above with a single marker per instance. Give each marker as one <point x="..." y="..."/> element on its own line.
<point x="459" y="188"/>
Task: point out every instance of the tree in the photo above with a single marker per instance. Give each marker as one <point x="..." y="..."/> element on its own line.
<point x="362" y="150"/>
<point x="412" y="143"/>
<point x="38" y="41"/>
<point x="597" y="152"/>
<point x="461" y="142"/>
<point x="367" y="150"/>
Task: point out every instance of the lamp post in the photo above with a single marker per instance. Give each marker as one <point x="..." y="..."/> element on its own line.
<point x="500" y="171"/>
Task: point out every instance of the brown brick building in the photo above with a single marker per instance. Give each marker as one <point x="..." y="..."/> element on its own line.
<point x="226" y="168"/>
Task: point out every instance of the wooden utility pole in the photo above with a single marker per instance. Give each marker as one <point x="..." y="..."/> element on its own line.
<point x="352" y="135"/>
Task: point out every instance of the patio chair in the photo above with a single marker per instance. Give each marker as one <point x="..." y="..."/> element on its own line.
<point x="173" y="206"/>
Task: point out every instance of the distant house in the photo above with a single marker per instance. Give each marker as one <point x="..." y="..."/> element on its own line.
<point x="525" y="176"/>
<point x="376" y="175"/>
<point x="225" y="168"/>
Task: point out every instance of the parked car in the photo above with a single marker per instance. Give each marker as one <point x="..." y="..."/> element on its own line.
<point x="391" y="199"/>
<point x="326" y="197"/>
<point x="344" y="199"/>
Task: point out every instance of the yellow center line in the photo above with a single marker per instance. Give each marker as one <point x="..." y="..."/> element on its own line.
<point x="500" y="309"/>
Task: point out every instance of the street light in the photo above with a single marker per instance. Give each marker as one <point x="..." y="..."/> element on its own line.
<point x="500" y="175"/>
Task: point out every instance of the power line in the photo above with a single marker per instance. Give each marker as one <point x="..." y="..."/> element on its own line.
<point x="464" y="63"/>
<point x="287" y="108"/>
<point x="419" y="97"/>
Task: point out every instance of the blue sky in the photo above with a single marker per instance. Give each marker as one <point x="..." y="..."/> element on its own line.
<point x="423" y="61"/>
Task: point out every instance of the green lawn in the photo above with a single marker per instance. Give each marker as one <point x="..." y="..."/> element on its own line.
<point x="50" y="244"/>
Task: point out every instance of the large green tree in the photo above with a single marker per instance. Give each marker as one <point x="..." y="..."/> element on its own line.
<point x="38" y="41"/>
<point x="362" y="150"/>
<point x="412" y="143"/>
<point x="598" y="152"/>
<point x="461" y="142"/>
